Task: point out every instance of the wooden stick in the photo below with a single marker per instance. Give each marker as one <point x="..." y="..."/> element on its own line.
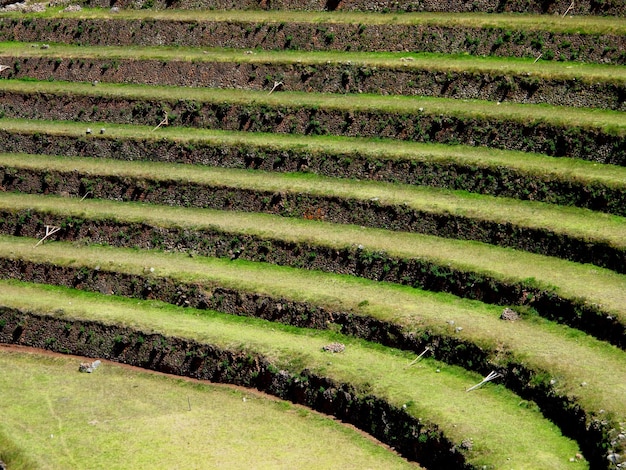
<point x="86" y="194"/>
<point x="568" y="9"/>
<point x="164" y="122"/>
<point x="492" y="375"/>
<point x="276" y="85"/>
<point x="419" y="357"/>
<point x="50" y="230"/>
<point x="538" y="57"/>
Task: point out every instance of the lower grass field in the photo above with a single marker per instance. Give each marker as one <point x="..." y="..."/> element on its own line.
<point x="55" y="417"/>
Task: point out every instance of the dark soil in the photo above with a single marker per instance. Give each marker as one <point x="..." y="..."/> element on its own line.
<point x="532" y="136"/>
<point x="605" y="48"/>
<point x="369" y="213"/>
<point x="494" y="181"/>
<point x="326" y="78"/>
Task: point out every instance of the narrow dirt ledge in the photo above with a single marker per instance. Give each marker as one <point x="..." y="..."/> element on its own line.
<point x="374" y="265"/>
<point x="245" y="368"/>
<point x="587" y="429"/>
<point x="606" y="48"/>
<point x="368" y="213"/>
<point x="556" y="7"/>
<point x="533" y="136"/>
<point x="326" y="78"/>
<point x="494" y="181"/>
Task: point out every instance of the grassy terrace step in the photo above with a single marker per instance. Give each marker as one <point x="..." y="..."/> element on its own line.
<point x="558" y="7"/>
<point x="589" y="39"/>
<point x="519" y="80"/>
<point x="571" y="233"/>
<point x="596" y="135"/>
<point x="559" y="290"/>
<point x="536" y="177"/>
<point x="137" y="414"/>
<point x="529" y="354"/>
<point x="363" y="380"/>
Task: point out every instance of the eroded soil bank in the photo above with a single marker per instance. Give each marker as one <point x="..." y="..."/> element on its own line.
<point x="326" y="78"/>
<point x="414" y="439"/>
<point x="452" y="174"/>
<point x="591" y="144"/>
<point x="353" y="260"/>
<point x="605" y="48"/>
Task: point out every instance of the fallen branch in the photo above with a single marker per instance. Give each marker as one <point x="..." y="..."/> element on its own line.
<point x="419" y="357"/>
<point x="86" y="194"/>
<point x="164" y="122"/>
<point x="50" y="230"/>
<point x="276" y="85"/>
<point x="538" y="57"/>
<point x="568" y="9"/>
<point x="492" y="375"/>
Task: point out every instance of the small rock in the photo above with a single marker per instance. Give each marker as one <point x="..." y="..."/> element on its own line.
<point x="96" y="364"/>
<point x="45" y="46"/>
<point x="334" y="347"/>
<point x="88" y="131"/>
<point x="102" y="131"/>
<point x="509" y="315"/>
<point x="85" y="367"/>
<point x="71" y="8"/>
<point x="114" y="10"/>
<point x="94" y="83"/>
<point x="458" y="329"/>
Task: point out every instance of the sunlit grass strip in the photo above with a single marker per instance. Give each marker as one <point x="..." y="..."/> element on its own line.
<point x="580" y="223"/>
<point x="571" y="280"/>
<point x="568" y="279"/>
<point x="590" y="25"/>
<point x="569" y="355"/>
<point x="612" y="122"/>
<point x="392" y="149"/>
<point x="496" y="421"/>
<point x="584" y="72"/>
<point x="147" y="420"/>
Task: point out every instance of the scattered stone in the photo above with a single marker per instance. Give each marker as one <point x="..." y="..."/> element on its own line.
<point x="334" y="347"/>
<point x="89" y="367"/>
<point x="467" y="444"/>
<point x="102" y="131"/>
<point x="614" y="458"/>
<point x="458" y="329"/>
<point x="71" y="8"/>
<point x="94" y="83"/>
<point x="115" y="9"/>
<point x="509" y="315"/>
<point x="88" y="131"/>
<point x="45" y="46"/>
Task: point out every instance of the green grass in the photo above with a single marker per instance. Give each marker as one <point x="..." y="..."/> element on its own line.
<point x="529" y="440"/>
<point x="577" y="222"/>
<point x="612" y="122"/>
<point x="392" y="149"/>
<point x="592" y="25"/>
<point x="571" y="356"/>
<point x="585" y="72"/>
<point x="118" y="418"/>
<point x="571" y="280"/>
